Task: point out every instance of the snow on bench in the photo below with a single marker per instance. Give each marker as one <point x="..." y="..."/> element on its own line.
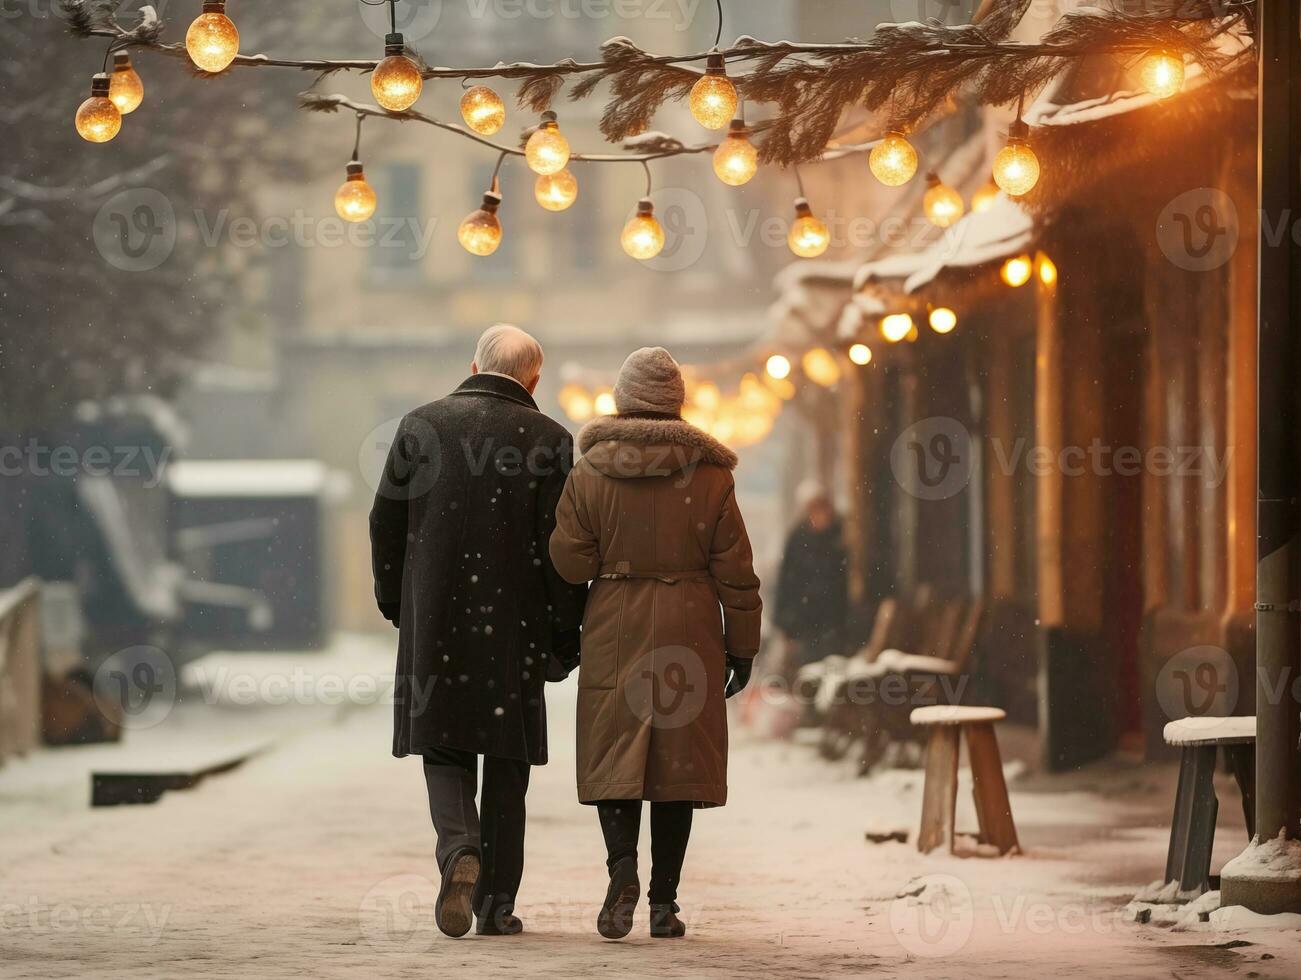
<point x="1208" y="730"/>
<point x="954" y="714"/>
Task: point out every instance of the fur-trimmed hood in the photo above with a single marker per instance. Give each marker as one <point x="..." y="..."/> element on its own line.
<point x="625" y="447"/>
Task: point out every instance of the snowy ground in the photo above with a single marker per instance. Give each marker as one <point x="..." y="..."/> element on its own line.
<point x="314" y="859"/>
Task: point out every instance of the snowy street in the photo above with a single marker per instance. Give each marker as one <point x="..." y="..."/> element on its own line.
<point x="315" y="859"/>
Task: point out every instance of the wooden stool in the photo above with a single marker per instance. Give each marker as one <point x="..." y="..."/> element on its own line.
<point x="1192" y="829"/>
<point x="940" y="794"/>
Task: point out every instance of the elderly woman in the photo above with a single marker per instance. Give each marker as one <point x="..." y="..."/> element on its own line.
<point x="649" y="514"/>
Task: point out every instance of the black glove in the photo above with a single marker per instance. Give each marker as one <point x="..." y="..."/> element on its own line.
<point x="391" y="611"/>
<point x="564" y="655"/>
<point x="740" y="668"/>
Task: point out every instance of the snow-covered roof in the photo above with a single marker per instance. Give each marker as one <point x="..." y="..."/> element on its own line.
<point x="1001" y="230"/>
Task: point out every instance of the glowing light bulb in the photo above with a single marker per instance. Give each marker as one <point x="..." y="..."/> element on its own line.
<point x="576" y="402"/>
<point x="707" y="397"/>
<point x="1016" y="168"/>
<point x="1047" y="270"/>
<point x="1016" y="271"/>
<point x="396" y="81"/>
<point x="642" y="237"/>
<point x="984" y="198"/>
<point x="124" y="86"/>
<point x="820" y="367"/>
<point x="480" y="232"/>
<point x="778" y="367"/>
<point x="98" y="119"/>
<point x="896" y="327"/>
<point x="556" y="192"/>
<point x="604" y="404"/>
<point x="1162" y="73"/>
<point x="483" y="110"/>
<point x="943" y="319"/>
<point x="942" y="204"/>
<point x="808" y="237"/>
<point x="736" y="160"/>
<point x="355" y="199"/>
<point x="547" y="150"/>
<point x="860" y="354"/>
<point x="212" y="40"/>
<point x="713" y="97"/>
<point x="893" y="161"/>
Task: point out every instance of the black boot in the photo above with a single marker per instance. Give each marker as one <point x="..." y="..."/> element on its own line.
<point x="497" y="920"/>
<point x="664" y="923"/>
<point x="452" y="912"/>
<point x="615" y="919"/>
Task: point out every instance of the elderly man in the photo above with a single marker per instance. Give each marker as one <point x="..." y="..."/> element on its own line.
<point x="459" y="533"/>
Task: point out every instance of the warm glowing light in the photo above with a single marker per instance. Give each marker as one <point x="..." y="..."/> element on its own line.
<point x="942" y="204"/>
<point x="604" y="403"/>
<point x="707" y="397"/>
<point x="1162" y="73"/>
<point x="213" y="39"/>
<point x="820" y="367"/>
<point x="1016" y="168"/>
<point x="355" y="199"/>
<point x="642" y="236"/>
<point x="124" y="86"/>
<point x="893" y="161"/>
<point x="98" y="119"/>
<point x="943" y="319"/>
<point x="1016" y="271"/>
<point x="576" y="402"/>
<point x="860" y="354"/>
<point x="984" y="198"/>
<point x="396" y="81"/>
<point x="480" y="232"/>
<point x="713" y="97"/>
<point x="1047" y="270"/>
<point x="736" y="160"/>
<point x="808" y="237"/>
<point x="896" y="327"/>
<point x="778" y="367"/>
<point x="547" y="150"/>
<point x="555" y="192"/>
<point x="483" y="110"/>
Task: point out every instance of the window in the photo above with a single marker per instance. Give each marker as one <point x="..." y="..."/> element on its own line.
<point x="395" y="255"/>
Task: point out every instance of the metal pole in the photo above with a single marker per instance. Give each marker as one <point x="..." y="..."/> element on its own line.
<point x="1278" y="473"/>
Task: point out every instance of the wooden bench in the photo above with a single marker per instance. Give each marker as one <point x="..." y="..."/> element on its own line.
<point x="1192" y="829"/>
<point x="947" y="723"/>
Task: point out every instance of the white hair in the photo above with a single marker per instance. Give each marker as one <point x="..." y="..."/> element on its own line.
<point x="505" y="349"/>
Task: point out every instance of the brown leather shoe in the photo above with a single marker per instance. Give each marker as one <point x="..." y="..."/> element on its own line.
<point x="615" y="918"/>
<point x="664" y="923"/>
<point x="452" y="911"/>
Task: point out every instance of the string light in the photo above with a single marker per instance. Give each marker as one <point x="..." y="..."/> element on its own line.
<point x="860" y="354"/>
<point x="713" y="98"/>
<point x="603" y="403"/>
<point x="355" y="199"/>
<point x="556" y="192"/>
<point x="1047" y="270"/>
<point x="98" y="119"/>
<point x="941" y="203"/>
<point x="896" y="327"/>
<point x="576" y="402"/>
<point x="893" y="161"/>
<point x="808" y="237"/>
<point x="820" y="367"/>
<point x="212" y="40"/>
<point x="396" y="81"/>
<point x="1016" y="271"/>
<point x="778" y="367"/>
<point x="1016" y="168"/>
<point x="1162" y="73"/>
<point x="984" y="198"/>
<point x="480" y="232"/>
<point x="483" y="110"/>
<point x="642" y="237"/>
<point x="942" y="319"/>
<point x="547" y="150"/>
<point x="124" y="86"/>
<point x="736" y="160"/>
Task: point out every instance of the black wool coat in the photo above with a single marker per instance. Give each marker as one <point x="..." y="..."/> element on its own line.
<point x="459" y="532"/>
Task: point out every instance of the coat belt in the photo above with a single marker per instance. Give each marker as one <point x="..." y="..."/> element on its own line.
<point x="624" y="570"/>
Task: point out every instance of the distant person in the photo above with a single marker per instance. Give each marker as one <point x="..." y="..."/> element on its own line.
<point x="459" y="535"/>
<point x="672" y="626"/>
<point x="812" y="584"/>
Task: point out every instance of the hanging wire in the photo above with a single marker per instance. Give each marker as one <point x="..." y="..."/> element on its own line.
<point x="392" y="12"/>
<point x="356" y="146"/>
<point x="501" y="158"/>
<point x="646" y="166"/>
<point x="719" y="36"/>
<point x="799" y="181"/>
<point x="112" y="47"/>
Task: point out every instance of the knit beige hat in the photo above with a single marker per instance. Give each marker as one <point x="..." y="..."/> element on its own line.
<point x="650" y="381"/>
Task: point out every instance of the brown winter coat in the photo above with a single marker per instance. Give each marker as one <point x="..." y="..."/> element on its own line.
<point x="650" y="515"/>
